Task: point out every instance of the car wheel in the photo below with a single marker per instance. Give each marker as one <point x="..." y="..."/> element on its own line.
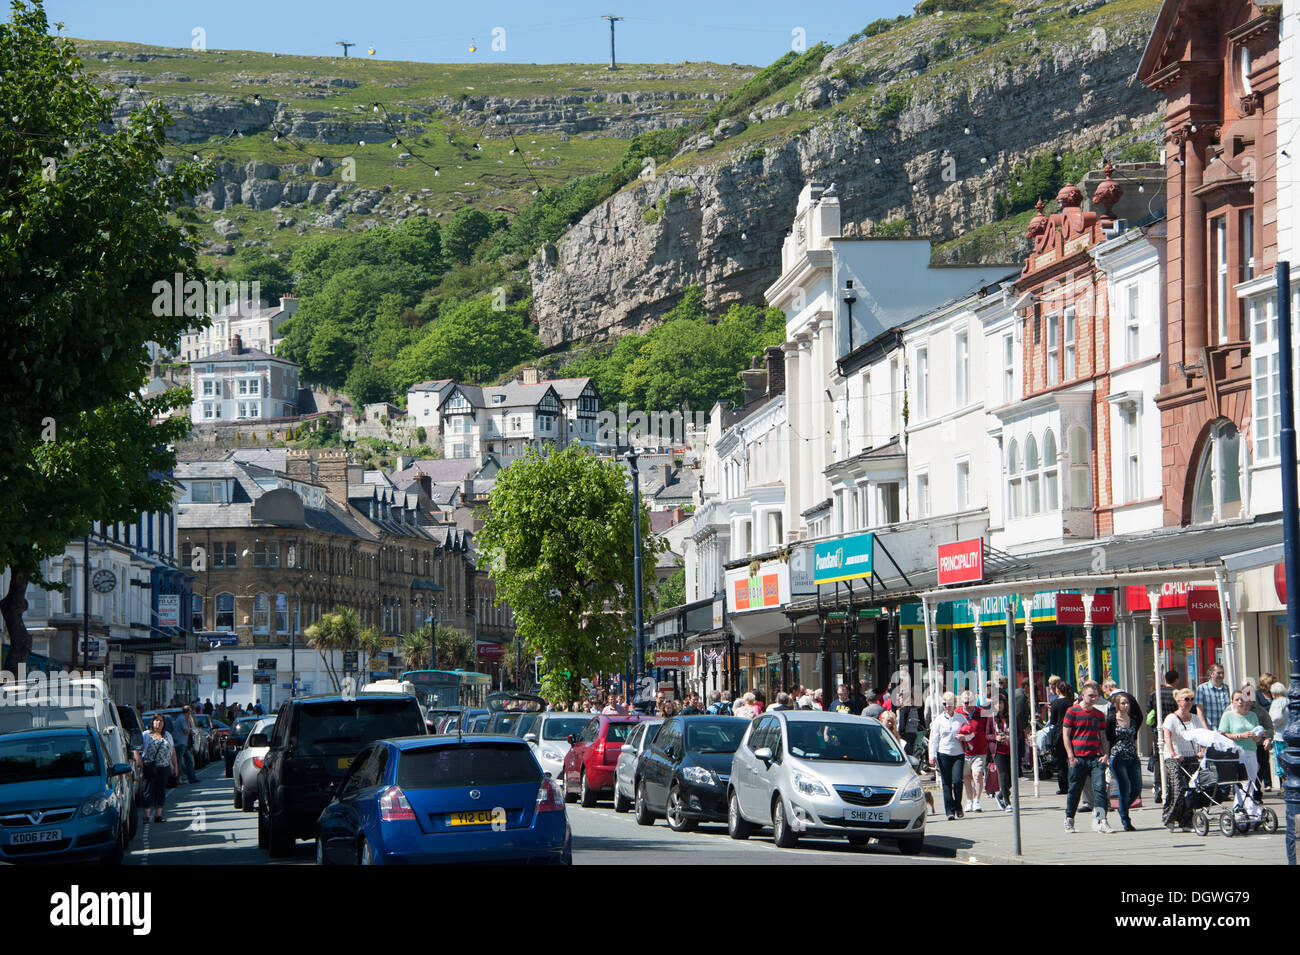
<point x="678" y="821"/>
<point x="239" y="797"/>
<point x="250" y="799"/>
<point x="364" y="855"/>
<point x="114" y="857"/>
<point x="587" y="796"/>
<point x="911" y="847"/>
<point x="644" y="817"/>
<point x="783" y="833"/>
<point x="279" y="841"/>
<point x="738" y="827"/>
<point x="621" y="802"/>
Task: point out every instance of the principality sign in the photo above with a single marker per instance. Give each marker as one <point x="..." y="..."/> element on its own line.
<point x="961" y="562"/>
<point x="846" y="558"/>
<point x="1069" y="610"/>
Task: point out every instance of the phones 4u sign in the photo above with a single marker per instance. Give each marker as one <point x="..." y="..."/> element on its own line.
<point x="674" y="658"/>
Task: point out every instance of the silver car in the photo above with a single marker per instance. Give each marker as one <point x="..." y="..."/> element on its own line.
<point x="638" y="740"/>
<point x="248" y="763"/>
<point x="549" y="739"/>
<point x="820" y="774"/>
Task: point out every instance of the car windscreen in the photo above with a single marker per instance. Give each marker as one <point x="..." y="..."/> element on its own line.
<point x="505" y="723"/>
<point x="619" y="732"/>
<point x="714" y="737"/>
<point x="48" y="757"/>
<point x="345" y="726"/>
<point x="473" y="764"/>
<point x="842" y="742"/>
<point x="244" y="727"/>
<point x="44" y="714"/>
<point x="563" y="727"/>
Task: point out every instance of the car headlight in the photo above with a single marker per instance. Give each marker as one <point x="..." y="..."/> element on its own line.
<point x="700" y="776"/>
<point x="809" y="785"/>
<point x="552" y="755"/>
<point x="96" y="804"/>
<point x="911" y="794"/>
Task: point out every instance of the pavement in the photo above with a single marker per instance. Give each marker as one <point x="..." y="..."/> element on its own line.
<point x="988" y="836"/>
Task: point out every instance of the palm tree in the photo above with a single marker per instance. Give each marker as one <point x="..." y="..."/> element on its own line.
<point x="372" y="642"/>
<point x="414" y="648"/>
<point x="455" y="649"/>
<point x="322" y="636"/>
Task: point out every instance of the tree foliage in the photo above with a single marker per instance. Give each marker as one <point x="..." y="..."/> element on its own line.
<point x="271" y="275"/>
<point x="558" y="539"/>
<point x="473" y="341"/>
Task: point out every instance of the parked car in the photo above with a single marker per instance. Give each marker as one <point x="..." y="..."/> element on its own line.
<point x="836" y="774"/>
<point x="476" y="723"/>
<point x="240" y="730"/>
<point x="510" y="724"/>
<point x="549" y="738"/>
<point x="76" y="703"/>
<point x="593" y="754"/>
<point x="248" y="763"/>
<point x="625" y="769"/>
<point x="207" y="730"/>
<point x="683" y="774"/>
<point x="61" y="797"/>
<point x="133" y="727"/>
<point x="315" y="740"/>
<point x="445" y="799"/>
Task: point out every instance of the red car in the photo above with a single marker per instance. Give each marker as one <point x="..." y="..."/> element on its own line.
<point x="593" y="755"/>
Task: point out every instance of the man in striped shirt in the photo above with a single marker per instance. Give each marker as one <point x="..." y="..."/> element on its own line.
<point x="1083" y="732"/>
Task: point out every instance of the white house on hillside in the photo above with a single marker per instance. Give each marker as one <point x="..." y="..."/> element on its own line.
<point x="242" y="384"/>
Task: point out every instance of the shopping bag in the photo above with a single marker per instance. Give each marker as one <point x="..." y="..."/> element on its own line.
<point x="991" y="785"/>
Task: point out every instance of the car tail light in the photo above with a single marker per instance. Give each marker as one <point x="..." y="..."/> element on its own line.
<point x="393" y="806"/>
<point x="548" y="797"/>
<point x="257" y="762"/>
<point x="600" y="750"/>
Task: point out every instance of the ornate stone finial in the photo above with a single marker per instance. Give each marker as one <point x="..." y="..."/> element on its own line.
<point x="1038" y="224"/>
<point x="1108" y="192"/>
<point x="1070" y="196"/>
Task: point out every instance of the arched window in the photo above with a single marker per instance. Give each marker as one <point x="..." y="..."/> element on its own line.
<point x="1033" y="497"/>
<point x="1080" y="468"/>
<point x="1051" y="476"/>
<point x="1013" y="479"/>
<point x="1219" y="488"/>
<point x="225" y="616"/>
<point x="261" y="614"/>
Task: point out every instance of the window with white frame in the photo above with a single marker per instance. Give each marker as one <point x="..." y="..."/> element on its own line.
<point x="261" y="613"/>
<point x="208" y="410"/>
<point x="1053" y="348"/>
<point x="1008" y="368"/>
<point x="887" y="504"/>
<point x="1131" y="299"/>
<point x="1014" y="480"/>
<point x="1130" y="448"/>
<point x="961" y="359"/>
<point x="1033" y="492"/>
<point x="1051" y="473"/>
<point x="1071" y="343"/>
<point x="1267" y="423"/>
<point x="895" y="396"/>
<point x="225" y="615"/>
<point x="922" y="494"/>
<point x="1220" y="477"/>
<point x="1219" y="267"/>
<point x="923" y="383"/>
<point x="1247" y="246"/>
<point x="281" y="613"/>
<point x="209" y="387"/>
<point x="1080" y="468"/>
<point x="963" y="484"/>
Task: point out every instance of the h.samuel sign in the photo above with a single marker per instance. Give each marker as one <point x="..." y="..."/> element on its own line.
<point x="847" y="558"/>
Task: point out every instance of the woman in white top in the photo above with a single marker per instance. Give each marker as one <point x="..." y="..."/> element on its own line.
<point x="1180" y="760"/>
<point x="948" y="731"/>
<point x="746" y="709"/>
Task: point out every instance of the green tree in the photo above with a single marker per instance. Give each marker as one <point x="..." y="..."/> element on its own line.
<point x="468" y="228"/>
<point x="558" y="539"/>
<point x="672" y="592"/>
<point x="472" y="341"/>
<point x="85" y="242"/>
<point x="366" y="384"/>
<point x="254" y="265"/>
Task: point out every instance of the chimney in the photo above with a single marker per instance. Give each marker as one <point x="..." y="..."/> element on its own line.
<point x="332" y="474"/>
<point x="753" y="385"/>
<point x="237" y="345"/>
<point x="774" y="358"/>
<point x="679" y="514"/>
<point x="666" y="474"/>
<point x="426" y="485"/>
<point x="297" y="465"/>
<point x="532" y="376"/>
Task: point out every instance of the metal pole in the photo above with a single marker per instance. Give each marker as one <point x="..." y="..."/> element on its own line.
<point x="636" y="527"/>
<point x="1014" y="726"/>
<point x="1291" y="551"/>
<point x="293" y="647"/>
<point x="1087" y="632"/>
<point x="1027" y="605"/>
<point x="1158" y="678"/>
<point x="85" y="602"/>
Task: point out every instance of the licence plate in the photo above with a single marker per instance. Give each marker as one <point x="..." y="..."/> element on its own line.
<point x="29" y="838"/>
<point x="345" y="762"/>
<point x="474" y="817"/>
<point x="866" y="815"/>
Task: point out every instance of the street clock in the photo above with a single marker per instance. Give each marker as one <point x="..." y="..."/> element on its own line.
<point x="103" y="581"/>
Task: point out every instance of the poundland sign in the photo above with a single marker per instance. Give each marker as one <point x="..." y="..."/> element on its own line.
<point x="847" y="558"/>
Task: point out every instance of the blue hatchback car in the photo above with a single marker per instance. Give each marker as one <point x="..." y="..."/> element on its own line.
<point x="58" y="798"/>
<point x="430" y="799"/>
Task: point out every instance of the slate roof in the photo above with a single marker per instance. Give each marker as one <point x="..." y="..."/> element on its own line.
<point x="439" y="470"/>
<point x="247" y="354"/>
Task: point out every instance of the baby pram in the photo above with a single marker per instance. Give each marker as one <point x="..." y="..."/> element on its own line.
<point x="1218" y="788"/>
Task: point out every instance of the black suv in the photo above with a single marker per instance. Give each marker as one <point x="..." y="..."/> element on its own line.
<point x="313" y="745"/>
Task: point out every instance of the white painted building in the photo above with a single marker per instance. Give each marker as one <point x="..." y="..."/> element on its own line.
<point x="242" y="384"/>
<point x="257" y="326"/>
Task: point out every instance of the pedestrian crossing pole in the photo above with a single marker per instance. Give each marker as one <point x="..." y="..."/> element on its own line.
<point x="1291" y="552"/>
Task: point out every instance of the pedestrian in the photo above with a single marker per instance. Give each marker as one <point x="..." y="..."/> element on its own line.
<point x="183" y="739"/>
<point x="157" y="760"/>
<point x="1122" y="725"/>
<point x="744" y="707"/>
<point x="947" y="754"/>
<point x="614" y="706"/>
<point x="976" y="747"/>
<point x="1180" y="759"/>
<point x="1061" y="704"/>
<point x="890" y="722"/>
<point x="817" y="700"/>
<point x="782" y="702"/>
<point x="1083" y="734"/>
<point x="1241" y="726"/>
<point x="1212" y="697"/>
<point x="1001" y="729"/>
<point x="1167" y="706"/>
<point x="1020" y="716"/>
<point x="760" y="701"/>
<point x="1259" y="700"/>
<point x="1277" y="712"/>
<point x="843" y="703"/>
<point x="911" y="727"/>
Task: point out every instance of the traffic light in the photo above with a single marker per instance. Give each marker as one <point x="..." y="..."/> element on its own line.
<point x="223" y="675"/>
<point x="234" y="673"/>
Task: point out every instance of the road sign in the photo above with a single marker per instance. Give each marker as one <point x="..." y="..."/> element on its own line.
<point x="264" y="676"/>
<point x="350" y="656"/>
<point x="267" y="664"/>
<point x="216" y="640"/>
<point x="388" y="643"/>
<point x="124" y="671"/>
<point x="160" y="672"/>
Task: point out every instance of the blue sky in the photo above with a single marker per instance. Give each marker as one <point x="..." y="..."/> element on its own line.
<point x="666" y="31"/>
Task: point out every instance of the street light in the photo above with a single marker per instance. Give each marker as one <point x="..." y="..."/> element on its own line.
<point x="639" y="668"/>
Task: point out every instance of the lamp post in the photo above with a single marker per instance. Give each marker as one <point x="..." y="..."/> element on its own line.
<point x="639" y="659"/>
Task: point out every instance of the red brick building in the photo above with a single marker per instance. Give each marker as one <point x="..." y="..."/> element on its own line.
<point x="1216" y="62"/>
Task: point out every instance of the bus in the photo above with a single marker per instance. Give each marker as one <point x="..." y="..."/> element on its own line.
<point x="444" y="689"/>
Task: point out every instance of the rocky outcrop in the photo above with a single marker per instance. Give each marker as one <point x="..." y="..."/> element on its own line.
<point x="721" y="225"/>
